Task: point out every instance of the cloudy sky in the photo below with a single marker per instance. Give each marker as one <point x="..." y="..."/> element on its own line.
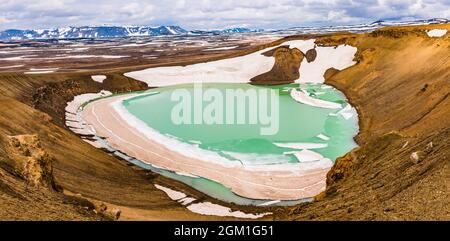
<point x="211" y="14"/>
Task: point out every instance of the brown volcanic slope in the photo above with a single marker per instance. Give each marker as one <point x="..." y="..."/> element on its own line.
<point x="400" y="87"/>
<point x="27" y="187"/>
<point x="78" y="167"/>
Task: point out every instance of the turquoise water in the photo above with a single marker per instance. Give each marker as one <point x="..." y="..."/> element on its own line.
<point x="298" y="123"/>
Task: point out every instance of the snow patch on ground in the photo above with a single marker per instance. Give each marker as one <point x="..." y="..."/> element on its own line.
<point x="339" y="57"/>
<point x="18" y="58"/>
<point x="74" y="105"/>
<point x="98" y="78"/>
<point x="12" y="66"/>
<point x="437" y="33"/>
<point x="40" y="72"/>
<point x="208" y="208"/>
<point x="32" y="57"/>
<point x="44" y="69"/>
<point x="270" y="203"/>
<point x="89" y="56"/>
<point x="222" y="48"/>
<point x="185" y="201"/>
<point x="234" y="70"/>
<point x="174" y="195"/>
<point x="76" y="124"/>
<point x="78" y="49"/>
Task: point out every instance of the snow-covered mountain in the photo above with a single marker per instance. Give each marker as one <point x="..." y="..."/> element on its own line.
<point x="108" y="32"/>
<point x="411" y="22"/>
<point x="237" y="30"/>
<point x="130" y="31"/>
<point x="226" y="31"/>
<point x="91" y="32"/>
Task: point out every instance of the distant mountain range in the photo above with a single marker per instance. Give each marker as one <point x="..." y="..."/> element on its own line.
<point x="357" y="28"/>
<point x="228" y="30"/>
<point x="107" y="32"/>
<point x="411" y="22"/>
<point x="130" y="31"/>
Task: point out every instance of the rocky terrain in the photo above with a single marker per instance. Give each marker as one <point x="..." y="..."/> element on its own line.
<point x="400" y="87"/>
<point x="81" y="55"/>
<point x="285" y="69"/>
<point x="28" y="189"/>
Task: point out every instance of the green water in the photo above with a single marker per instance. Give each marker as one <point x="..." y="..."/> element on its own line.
<point x="298" y="123"/>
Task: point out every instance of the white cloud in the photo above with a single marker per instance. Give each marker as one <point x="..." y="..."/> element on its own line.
<point x="207" y="14"/>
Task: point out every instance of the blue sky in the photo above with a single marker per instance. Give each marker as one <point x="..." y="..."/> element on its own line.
<point x="211" y="14"/>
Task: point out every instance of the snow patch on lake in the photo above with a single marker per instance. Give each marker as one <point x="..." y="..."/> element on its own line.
<point x="302" y="146"/>
<point x="304" y="98"/>
<point x="323" y="137"/>
<point x="256" y="159"/>
<point x="347" y="112"/>
<point x="310" y="160"/>
<point x="306" y="155"/>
